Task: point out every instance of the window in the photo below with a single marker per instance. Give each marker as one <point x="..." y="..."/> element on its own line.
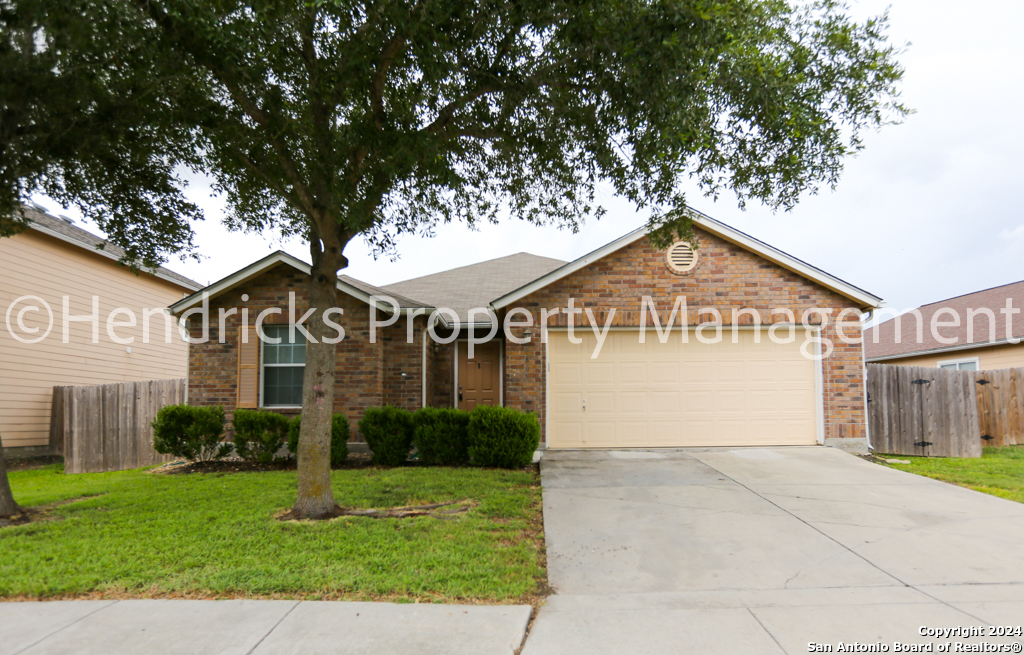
<point x="283" y="367"/>
<point x="966" y="364"/>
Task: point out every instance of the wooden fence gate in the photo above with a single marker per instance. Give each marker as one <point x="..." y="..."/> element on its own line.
<point x="1001" y="406"/>
<point x="107" y="427"/>
<point x="913" y="410"/>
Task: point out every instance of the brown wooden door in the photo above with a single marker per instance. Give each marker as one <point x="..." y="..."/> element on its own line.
<point x="480" y="377"/>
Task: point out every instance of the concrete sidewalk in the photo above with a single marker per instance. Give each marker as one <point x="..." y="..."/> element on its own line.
<point x="764" y="551"/>
<point x="258" y="627"/>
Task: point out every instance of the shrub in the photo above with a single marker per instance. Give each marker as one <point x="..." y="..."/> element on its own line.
<point x="502" y="437"/>
<point x="339" y="438"/>
<point x="190" y="432"/>
<point x="388" y="432"/>
<point x="440" y="436"/>
<point x="259" y="434"/>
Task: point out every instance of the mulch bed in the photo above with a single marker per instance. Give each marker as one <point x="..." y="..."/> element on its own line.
<point x="437" y="510"/>
<point x="234" y="465"/>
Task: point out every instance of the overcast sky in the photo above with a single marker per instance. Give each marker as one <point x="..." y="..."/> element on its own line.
<point x="928" y="211"/>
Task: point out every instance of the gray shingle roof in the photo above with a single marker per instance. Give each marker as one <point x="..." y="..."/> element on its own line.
<point x="993" y="299"/>
<point x="48" y="224"/>
<point x="366" y="287"/>
<point x="476" y="285"/>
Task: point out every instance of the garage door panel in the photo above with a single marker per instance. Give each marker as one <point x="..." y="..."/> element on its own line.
<point x="570" y="433"/>
<point x="632" y="403"/>
<point x="631" y="373"/>
<point x="730" y="401"/>
<point x="633" y="434"/>
<point x="666" y="372"/>
<point x="566" y="373"/>
<point x="697" y="369"/>
<point x="601" y="434"/>
<point x="600" y="373"/>
<point x="666" y="402"/>
<point x="567" y="403"/>
<point x="680" y="394"/>
<point x="601" y="403"/>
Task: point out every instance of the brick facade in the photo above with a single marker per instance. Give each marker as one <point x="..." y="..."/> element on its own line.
<point x="726" y="278"/>
<point x="367" y="374"/>
<point x="391" y="371"/>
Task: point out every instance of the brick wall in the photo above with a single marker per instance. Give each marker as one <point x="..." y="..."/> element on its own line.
<point x="364" y="377"/>
<point x="727" y="278"/>
<point x="442" y="374"/>
<point x="403" y="364"/>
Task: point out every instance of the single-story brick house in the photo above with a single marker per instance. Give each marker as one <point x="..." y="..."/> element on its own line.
<point x="566" y="343"/>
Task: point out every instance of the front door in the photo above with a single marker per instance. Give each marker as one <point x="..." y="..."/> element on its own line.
<point x="480" y="377"/>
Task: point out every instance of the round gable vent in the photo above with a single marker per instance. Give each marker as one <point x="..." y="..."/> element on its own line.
<point x="681" y="257"/>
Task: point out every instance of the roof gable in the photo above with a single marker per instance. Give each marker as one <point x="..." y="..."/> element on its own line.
<point x="863" y="299"/>
<point x="348" y="285"/>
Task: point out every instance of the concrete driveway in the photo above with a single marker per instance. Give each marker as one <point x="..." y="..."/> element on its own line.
<point x="766" y="551"/>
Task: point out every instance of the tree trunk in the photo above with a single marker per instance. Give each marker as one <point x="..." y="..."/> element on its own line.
<point x="7" y="505"/>
<point x="315" y="496"/>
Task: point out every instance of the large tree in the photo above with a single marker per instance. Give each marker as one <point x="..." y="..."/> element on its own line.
<point x="341" y="119"/>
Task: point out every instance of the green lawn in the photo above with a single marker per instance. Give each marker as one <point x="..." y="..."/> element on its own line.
<point x="214" y="534"/>
<point x="999" y="471"/>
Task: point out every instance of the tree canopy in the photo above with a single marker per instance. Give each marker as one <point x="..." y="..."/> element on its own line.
<point x="336" y="119"/>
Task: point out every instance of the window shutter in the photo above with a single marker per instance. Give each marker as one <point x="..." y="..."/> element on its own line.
<point x="248" y="369"/>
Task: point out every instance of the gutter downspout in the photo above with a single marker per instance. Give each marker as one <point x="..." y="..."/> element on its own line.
<point x="864" y="364"/>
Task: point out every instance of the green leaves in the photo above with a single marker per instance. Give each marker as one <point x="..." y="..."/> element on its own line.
<point x="336" y="119"/>
<point x="86" y="118"/>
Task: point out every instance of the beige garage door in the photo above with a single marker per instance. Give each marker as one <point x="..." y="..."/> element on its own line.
<point x="653" y="394"/>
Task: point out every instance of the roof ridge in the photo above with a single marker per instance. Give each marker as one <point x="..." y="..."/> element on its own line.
<point x="465" y="266"/>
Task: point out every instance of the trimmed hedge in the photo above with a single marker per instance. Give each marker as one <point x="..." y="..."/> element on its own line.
<point x="190" y="432"/>
<point x="502" y="437"/>
<point x="388" y="432"/>
<point x="339" y="438"/>
<point x="441" y="436"/>
<point x="259" y="434"/>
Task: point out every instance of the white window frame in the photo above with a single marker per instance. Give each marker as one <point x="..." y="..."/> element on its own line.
<point x="962" y="360"/>
<point x="264" y="365"/>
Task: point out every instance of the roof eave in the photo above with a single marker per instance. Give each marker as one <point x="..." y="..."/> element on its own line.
<point x="103" y="253"/>
<point x="243" y="275"/>
<point x="946" y="349"/>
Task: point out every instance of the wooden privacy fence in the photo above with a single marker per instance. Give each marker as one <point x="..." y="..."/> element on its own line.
<point x="107" y="427"/>
<point x="1001" y="406"/>
<point x="913" y="410"/>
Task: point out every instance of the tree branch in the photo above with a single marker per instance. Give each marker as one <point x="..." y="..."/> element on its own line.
<point x="202" y="52"/>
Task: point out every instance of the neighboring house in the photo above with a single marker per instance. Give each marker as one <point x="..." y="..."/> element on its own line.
<point x="747" y="391"/>
<point x="50" y="261"/>
<point x="970" y="332"/>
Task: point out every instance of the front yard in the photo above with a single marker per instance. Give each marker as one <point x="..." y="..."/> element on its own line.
<point x="999" y="471"/>
<point x="141" y="534"/>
